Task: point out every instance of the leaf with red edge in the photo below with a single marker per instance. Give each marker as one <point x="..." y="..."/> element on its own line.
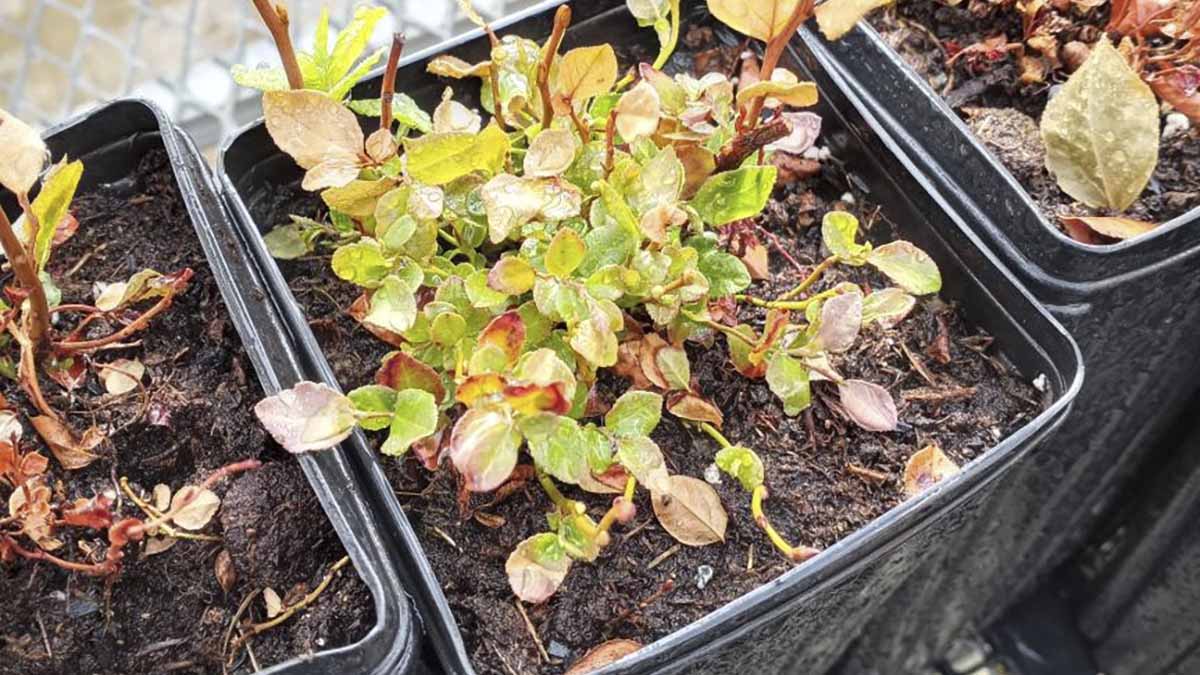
<point x="507" y="332"/>
<point x="530" y="399"/>
<point x="694" y="407"/>
<point x="67" y="227"/>
<point x="69" y="371"/>
<point x="478" y="387"/>
<point x="776" y="323"/>
<point x="1114" y="227"/>
<point x="358" y="312"/>
<point x="401" y="371"/>
<point x="602" y="655"/>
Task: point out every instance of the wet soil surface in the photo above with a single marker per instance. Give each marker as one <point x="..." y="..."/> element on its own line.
<point x="1005" y="114"/>
<point x="815" y="463"/>
<point x="167" y="612"/>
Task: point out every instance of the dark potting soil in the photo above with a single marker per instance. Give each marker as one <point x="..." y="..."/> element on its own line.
<point x="826" y="477"/>
<point x="167" y="612"/>
<point x="1005" y="114"/>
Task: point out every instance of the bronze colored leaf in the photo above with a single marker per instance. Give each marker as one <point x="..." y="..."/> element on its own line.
<point x="583" y="73"/>
<point x="1101" y="132"/>
<point x="690" y="511"/>
<point x="925" y="468"/>
<point x="602" y="655"/>
<point x="311" y="127"/>
<point x="72" y="453"/>
<point x="1115" y="227"/>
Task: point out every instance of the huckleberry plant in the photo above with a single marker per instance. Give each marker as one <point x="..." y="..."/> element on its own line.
<point x="509" y="261"/>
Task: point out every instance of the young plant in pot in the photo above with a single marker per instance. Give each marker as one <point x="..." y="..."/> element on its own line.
<point x="126" y="498"/>
<point x="593" y="309"/>
<point x="1091" y="105"/>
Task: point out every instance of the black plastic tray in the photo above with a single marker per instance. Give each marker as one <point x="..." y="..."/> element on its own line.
<point x="1131" y="306"/>
<point x="111" y="139"/>
<point x="803" y="620"/>
<point x="1138" y="601"/>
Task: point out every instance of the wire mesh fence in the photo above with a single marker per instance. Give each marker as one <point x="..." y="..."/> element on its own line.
<point x="61" y="56"/>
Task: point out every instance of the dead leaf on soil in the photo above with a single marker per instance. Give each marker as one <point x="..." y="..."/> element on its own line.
<point x="273" y="603"/>
<point x="192" y="507"/>
<point x="224" y="570"/>
<point x="70" y="452"/>
<point x="926" y="468"/>
<point x="1115" y="227"/>
<point x="690" y="511"/>
<point x="602" y="655"/>
<point x="121" y="376"/>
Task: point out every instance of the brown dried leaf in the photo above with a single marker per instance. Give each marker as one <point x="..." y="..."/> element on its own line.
<point x="690" y="511"/>
<point x="602" y="655"/>
<point x="583" y="73"/>
<point x="273" y="604"/>
<point x="224" y="570"/>
<point x="1115" y="227"/>
<point x="70" y="452"/>
<point x="925" y="468"/>
<point x="311" y="127"/>
<point x="693" y="407"/>
<point x="838" y="17"/>
<point x="158" y="544"/>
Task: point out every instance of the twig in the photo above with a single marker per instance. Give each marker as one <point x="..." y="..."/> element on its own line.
<point x="918" y="365"/>
<point x="869" y="474"/>
<point x="388" y="91"/>
<point x="749" y="142"/>
<point x="533" y="632"/>
<point x="134" y="326"/>
<point x="245" y="604"/>
<point x="662" y="557"/>
<point x="24" y="266"/>
<point x="666" y="587"/>
<point x="255" y="629"/>
<point x="45" y="639"/>
<point x="276" y="19"/>
<point x="610" y="139"/>
<point x="562" y="18"/>
<point x="933" y="395"/>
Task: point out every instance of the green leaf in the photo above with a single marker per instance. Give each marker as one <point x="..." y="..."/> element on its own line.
<point x="734" y="195"/>
<point x="416" y="417"/>
<point x="286" y="242"/>
<point x="911" y="268"/>
<point x="437" y="159"/>
<point x="1101" y="131"/>
<point x="51" y="204"/>
<point x="481" y="294"/>
<point x="839" y="230"/>
<point x="887" y="306"/>
<point x="393" y="306"/>
<point x="376" y="400"/>
<point x="262" y="79"/>
<point x="644" y="461"/>
<point x="726" y="274"/>
<point x="344" y="85"/>
<point x="565" y="253"/>
<point x="743" y="464"/>
<point x="557" y="446"/>
<point x="608" y="245"/>
<point x="448" y="328"/>
<point x="635" y="413"/>
<point x="673" y="363"/>
<point x="404" y="110"/>
<point x="357" y="198"/>
<point x="511" y="275"/>
<point x="788" y="379"/>
<point x="483" y="447"/>
<point x="362" y="263"/>
<point x="598" y="448"/>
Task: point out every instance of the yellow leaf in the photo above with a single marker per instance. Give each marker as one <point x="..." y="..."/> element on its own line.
<point x="193" y="507"/>
<point x="838" y="17"/>
<point x="51" y="206"/>
<point x="1117" y="228"/>
<point x="797" y="94"/>
<point x="437" y="159"/>
<point x="22" y="154"/>
<point x="311" y="127"/>
<point x="926" y="468"/>
<point x="455" y="68"/>
<point x="1101" y="132"/>
<point x="583" y="73"/>
<point x="762" y="19"/>
<point x="359" y="197"/>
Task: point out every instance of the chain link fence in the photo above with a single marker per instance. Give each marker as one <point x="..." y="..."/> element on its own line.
<point x="58" y="57"/>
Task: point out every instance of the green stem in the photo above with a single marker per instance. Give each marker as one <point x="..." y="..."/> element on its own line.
<point x="716" y="435"/>
<point x="729" y="332"/>
<point x="664" y="51"/>
<point x="812" y="278"/>
<point x="557" y="497"/>
<point x="795" y="305"/>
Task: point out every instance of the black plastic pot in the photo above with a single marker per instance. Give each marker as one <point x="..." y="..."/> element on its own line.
<point x="803" y="620"/>
<point x="1138" y="589"/>
<point x="1131" y="306"/>
<point x="111" y="140"/>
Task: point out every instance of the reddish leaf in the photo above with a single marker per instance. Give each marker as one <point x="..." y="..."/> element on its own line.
<point x="1114" y="227"/>
<point x="358" y="311"/>
<point x="869" y="405"/>
<point x="66" y="229"/>
<point x="477" y="387"/>
<point x="602" y="655"/>
<point x="693" y="407"/>
<point x="401" y="371"/>
<point x="1181" y="88"/>
<point x="71" y="453"/>
<point x="528" y="399"/>
<point x="95" y="513"/>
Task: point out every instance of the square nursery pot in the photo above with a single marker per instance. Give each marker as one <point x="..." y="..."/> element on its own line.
<point x="111" y="140"/>
<point x="1131" y="306"/>
<point x="1137" y="585"/>
<point x="803" y="620"/>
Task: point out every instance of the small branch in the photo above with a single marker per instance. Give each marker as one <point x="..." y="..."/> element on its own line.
<point x="610" y="140"/>
<point x="389" y="82"/>
<point x="562" y="19"/>
<point x="136" y="325"/>
<point x="868" y="474"/>
<point x="276" y="20"/>
<point x="666" y="587"/>
<point x="812" y="278"/>
<point x="716" y="435"/>
<point x="255" y="629"/>
<point x="101" y="569"/>
<point x="497" y="105"/>
<point x="27" y="372"/>
<point x="751" y="141"/>
<point x="25" y="269"/>
<point x="585" y="133"/>
<point x="533" y="632"/>
<point x="790" y="305"/>
<point x="804" y="9"/>
<point x="217" y="476"/>
<point x="793" y="553"/>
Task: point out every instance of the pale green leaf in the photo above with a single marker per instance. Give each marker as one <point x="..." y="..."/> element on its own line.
<point x="643" y="459"/>
<point x="416" y="416"/>
<point x="437" y="159"/>
<point x="565" y="253"/>
<point x="393" y="306"/>
<point x="788" y="379"/>
<point x="635" y="413"/>
<point x="734" y="195"/>
<point x="911" y="268"/>
<point x="404" y="110"/>
<point x="557" y="447"/>
<point x="375" y="404"/>
<point x="743" y="464"/>
<point x="483" y="447"/>
<point x="839" y="230"/>
<point x="362" y="263"/>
